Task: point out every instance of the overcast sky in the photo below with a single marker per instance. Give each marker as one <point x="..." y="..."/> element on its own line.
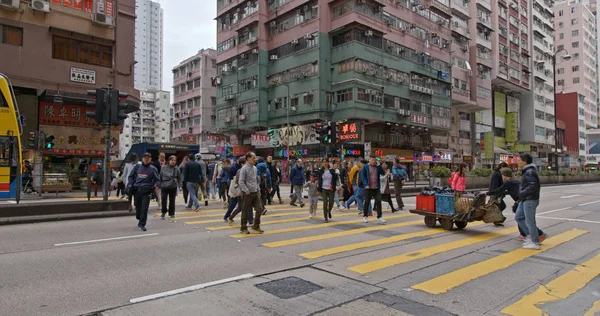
<point x="188" y="27"/>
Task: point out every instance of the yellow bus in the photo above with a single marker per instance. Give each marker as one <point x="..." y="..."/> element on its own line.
<point x="10" y="141"/>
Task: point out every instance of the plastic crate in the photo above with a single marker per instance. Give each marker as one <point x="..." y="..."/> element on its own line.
<point x="444" y="204"/>
<point x="426" y="203"/>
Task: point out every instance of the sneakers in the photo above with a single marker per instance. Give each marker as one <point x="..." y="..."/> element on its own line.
<point x="543" y="237"/>
<point x="301" y="204"/>
<point x="230" y="222"/>
<point x="162" y="215"/>
<point x="310" y="216"/>
<point x="365" y="219"/>
<point x="381" y="220"/>
<point x="521" y="238"/>
<point x="264" y="212"/>
<point x="206" y="202"/>
<point x="197" y="209"/>
<point x="293" y="204"/>
<point x="143" y="228"/>
<point x="341" y="208"/>
<point x="531" y="245"/>
<point x="172" y="217"/>
<point x="257" y="230"/>
<point x="244" y="232"/>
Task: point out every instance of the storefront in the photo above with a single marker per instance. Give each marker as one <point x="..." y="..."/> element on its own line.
<point x="78" y="143"/>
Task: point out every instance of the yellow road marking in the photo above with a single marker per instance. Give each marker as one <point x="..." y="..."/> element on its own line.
<point x="222" y="210"/>
<point x="373" y="243"/>
<point x="428" y="252"/>
<point x="558" y="289"/>
<point x="446" y="282"/>
<point x="337" y="234"/>
<point x="221" y="215"/>
<point x="307" y="227"/>
<point x="283" y="221"/>
<point x="269" y="215"/>
<point x="595" y="308"/>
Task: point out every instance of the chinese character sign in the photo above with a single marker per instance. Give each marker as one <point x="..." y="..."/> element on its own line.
<point x="261" y="140"/>
<point x="440" y="122"/>
<point x="350" y="132"/>
<point x="65" y="115"/>
<point x="79" y="141"/>
<point x="419" y="119"/>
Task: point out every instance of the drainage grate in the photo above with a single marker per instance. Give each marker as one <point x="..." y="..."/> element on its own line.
<point x="289" y="287"/>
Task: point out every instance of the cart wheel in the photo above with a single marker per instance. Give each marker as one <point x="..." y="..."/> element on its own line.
<point x="460" y="224"/>
<point x="446" y="223"/>
<point x="430" y="221"/>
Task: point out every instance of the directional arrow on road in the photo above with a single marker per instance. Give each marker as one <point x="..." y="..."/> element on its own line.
<point x="570" y="196"/>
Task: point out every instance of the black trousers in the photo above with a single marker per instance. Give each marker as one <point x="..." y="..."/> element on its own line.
<point x="185" y="193"/>
<point x="249" y="202"/>
<point x="170" y="194"/>
<point x="142" y="203"/>
<point x="275" y="191"/>
<point x="370" y="194"/>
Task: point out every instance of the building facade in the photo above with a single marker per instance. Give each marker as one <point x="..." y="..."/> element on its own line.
<point x="576" y="33"/>
<point x="148" y="45"/>
<point x="284" y="65"/>
<point x="152" y="123"/>
<point x="54" y="52"/>
<point x="195" y="98"/>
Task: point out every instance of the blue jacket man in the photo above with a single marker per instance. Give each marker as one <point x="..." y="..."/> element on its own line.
<point x="297" y="180"/>
<point x="142" y="181"/>
<point x="529" y="194"/>
<point x="263" y="169"/>
<point x="370" y="180"/>
<point x="297" y="175"/>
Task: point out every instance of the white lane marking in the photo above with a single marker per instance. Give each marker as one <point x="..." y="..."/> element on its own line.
<point x="570" y="196"/>
<point x="589" y="203"/>
<point x="548" y="212"/>
<point x="12" y="202"/>
<point x="190" y="288"/>
<point x="106" y="239"/>
<point x="570" y="219"/>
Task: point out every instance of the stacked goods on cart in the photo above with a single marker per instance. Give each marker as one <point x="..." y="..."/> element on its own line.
<point x="491" y="213"/>
<point x="426" y="201"/>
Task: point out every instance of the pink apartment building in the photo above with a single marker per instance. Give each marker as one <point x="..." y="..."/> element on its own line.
<point x="194" y="97"/>
<point x="576" y="33"/>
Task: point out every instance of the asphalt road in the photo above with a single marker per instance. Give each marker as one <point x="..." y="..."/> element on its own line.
<point x="308" y="267"/>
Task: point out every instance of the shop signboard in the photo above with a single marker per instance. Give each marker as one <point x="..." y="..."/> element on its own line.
<point x="261" y="141"/>
<point x="79" y="141"/>
<point x="511" y="127"/>
<point x="521" y="148"/>
<point x="499" y="109"/>
<point x="241" y="150"/>
<point x="294" y="135"/>
<point x="350" y="132"/>
<point x="283" y="153"/>
<point x="65" y="115"/>
<point x="350" y="152"/>
<point x="419" y="119"/>
<point x="440" y="122"/>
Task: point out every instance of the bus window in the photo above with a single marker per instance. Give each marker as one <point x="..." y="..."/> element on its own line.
<point x="3" y="103"/>
<point x="8" y="153"/>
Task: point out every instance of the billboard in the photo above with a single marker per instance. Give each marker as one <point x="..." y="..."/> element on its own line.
<point x="593" y="144"/>
<point x="499" y="109"/>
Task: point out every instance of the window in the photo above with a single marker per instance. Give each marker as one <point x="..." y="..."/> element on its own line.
<point x="561" y="82"/>
<point x="197" y="83"/>
<point x="344" y="95"/>
<point x="573" y="33"/>
<point x="561" y="24"/>
<point x="574" y="21"/>
<point x="308" y="98"/>
<point x="11" y="35"/>
<point x="561" y="71"/>
<point x="539" y="114"/>
<point x="575" y="44"/>
<point x="575" y="68"/>
<point x="82" y="52"/>
<point x="573" y="9"/>
<point x="561" y="13"/>
<point x="576" y="56"/>
<point x="576" y="80"/>
<point x="561" y="35"/>
<point x="190" y="85"/>
<point x="540" y="131"/>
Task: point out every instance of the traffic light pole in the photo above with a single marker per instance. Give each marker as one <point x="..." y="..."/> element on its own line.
<point x="106" y="125"/>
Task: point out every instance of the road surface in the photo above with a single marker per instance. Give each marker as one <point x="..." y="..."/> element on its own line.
<point x="197" y="265"/>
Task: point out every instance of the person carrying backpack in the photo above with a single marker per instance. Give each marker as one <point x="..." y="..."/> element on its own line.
<point x="264" y="174"/>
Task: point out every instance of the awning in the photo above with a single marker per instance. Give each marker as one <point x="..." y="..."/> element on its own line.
<point x="498" y="150"/>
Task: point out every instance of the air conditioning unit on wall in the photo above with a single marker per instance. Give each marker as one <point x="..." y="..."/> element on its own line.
<point x="10" y="4"/>
<point x="40" y="5"/>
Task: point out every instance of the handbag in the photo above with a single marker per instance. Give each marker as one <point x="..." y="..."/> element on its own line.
<point x="234" y="188"/>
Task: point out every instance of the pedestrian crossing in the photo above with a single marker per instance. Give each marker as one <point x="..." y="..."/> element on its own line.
<point x="382" y="251"/>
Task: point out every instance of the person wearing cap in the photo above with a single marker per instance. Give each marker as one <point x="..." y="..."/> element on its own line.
<point x="143" y="180"/>
<point x="192" y="175"/>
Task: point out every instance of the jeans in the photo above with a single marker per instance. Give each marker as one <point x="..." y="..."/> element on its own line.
<point x="249" y="202"/>
<point x="398" y="187"/>
<point x="170" y="194"/>
<point x="233" y="202"/>
<point x="370" y="194"/>
<point x="314" y="200"/>
<point x="328" y="197"/>
<point x="142" y="203"/>
<point x="217" y="188"/>
<point x="525" y="217"/>
<point x="359" y="198"/>
<point x="193" y="189"/>
<point x="297" y="194"/>
<point x="336" y="199"/>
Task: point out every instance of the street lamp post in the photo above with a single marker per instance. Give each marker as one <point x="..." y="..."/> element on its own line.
<point x="565" y="57"/>
<point x="288" y="107"/>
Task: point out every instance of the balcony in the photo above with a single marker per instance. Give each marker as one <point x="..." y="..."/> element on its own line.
<point x="485" y="21"/>
<point x="460" y="7"/>
<point x="461" y="99"/>
<point x="441" y="7"/>
<point x="483" y="39"/>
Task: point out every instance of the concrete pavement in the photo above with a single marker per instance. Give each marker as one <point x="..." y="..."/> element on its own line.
<point x="198" y="265"/>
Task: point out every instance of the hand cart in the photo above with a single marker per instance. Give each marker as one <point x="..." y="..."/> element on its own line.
<point x="447" y="221"/>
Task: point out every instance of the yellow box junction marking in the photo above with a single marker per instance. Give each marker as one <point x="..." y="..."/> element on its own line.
<point x="446" y="282"/>
<point x="428" y="252"/>
<point x="282" y="221"/>
<point x="315" y="226"/>
<point x="337" y="234"/>
<point x="373" y="243"/>
<point x="558" y="289"/>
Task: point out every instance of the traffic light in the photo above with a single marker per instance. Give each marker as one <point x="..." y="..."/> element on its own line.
<point x="99" y="104"/>
<point x="325" y="132"/>
<point x="32" y="140"/>
<point x="49" y="142"/>
<point x="334" y="132"/>
<point x="117" y="103"/>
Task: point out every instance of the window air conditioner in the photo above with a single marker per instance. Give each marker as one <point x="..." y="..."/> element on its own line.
<point x="40" y="5"/>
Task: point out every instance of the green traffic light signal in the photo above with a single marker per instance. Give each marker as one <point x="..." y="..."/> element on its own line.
<point x="49" y="141"/>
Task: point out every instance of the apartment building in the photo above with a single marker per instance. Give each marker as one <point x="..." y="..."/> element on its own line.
<point x="576" y="34"/>
<point x="53" y="52"/>
<point x="570" y="110"/>
<point x="152" y="123"/>
<point x="383" y="67"/>
<point x="148" y="45"/>
<point x="195" y="98"/>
